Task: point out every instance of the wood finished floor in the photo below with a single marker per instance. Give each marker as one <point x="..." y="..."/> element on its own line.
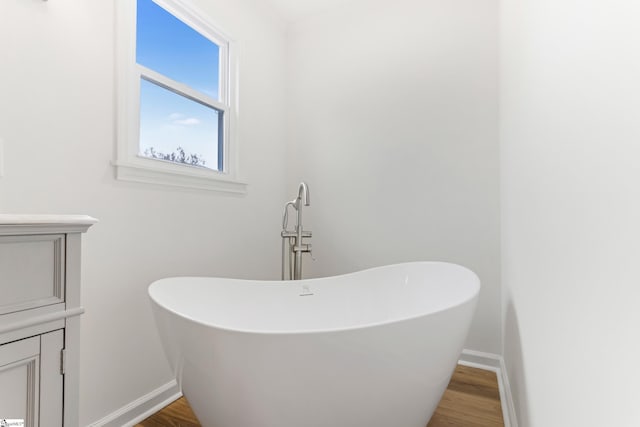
<point x="471" y="400"/>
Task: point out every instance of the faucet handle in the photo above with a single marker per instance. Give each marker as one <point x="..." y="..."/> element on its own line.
<point x="306" y="247"/>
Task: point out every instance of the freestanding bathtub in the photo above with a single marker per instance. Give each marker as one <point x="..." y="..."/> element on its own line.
<point x="375" y="348"/>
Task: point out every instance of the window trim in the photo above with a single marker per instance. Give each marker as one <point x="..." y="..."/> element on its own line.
<point x="129" y="165"/>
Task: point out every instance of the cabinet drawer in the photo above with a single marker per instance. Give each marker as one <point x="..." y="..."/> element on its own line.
<point x="31" y="271"/>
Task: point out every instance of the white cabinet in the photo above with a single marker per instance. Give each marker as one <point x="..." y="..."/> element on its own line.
<point x="39" y="318"/>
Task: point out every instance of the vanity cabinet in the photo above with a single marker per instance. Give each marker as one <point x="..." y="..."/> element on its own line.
<point x="39" y="318"/>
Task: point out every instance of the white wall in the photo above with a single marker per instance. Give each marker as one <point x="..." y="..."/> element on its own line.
<point x="57" y="122"/>
<point x="570" y="110"/>
<point x="392" y="118"/>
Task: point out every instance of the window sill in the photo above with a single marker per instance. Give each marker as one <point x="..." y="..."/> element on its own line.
<point x="178" y="176"/>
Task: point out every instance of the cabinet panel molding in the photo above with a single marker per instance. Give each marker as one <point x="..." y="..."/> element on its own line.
<point x="51" y="379"/>
<point x="32" y="271"/>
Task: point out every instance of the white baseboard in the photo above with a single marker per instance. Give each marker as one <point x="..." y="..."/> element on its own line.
<point x="136" y="411"/>
<point x="495" y="363"/>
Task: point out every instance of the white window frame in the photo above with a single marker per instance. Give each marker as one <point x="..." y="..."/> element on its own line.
<point x="129" y="164"/>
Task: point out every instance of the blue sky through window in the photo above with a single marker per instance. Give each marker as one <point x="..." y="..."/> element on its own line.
<point x="169" y="120"/>
<point x="169" y="46"/>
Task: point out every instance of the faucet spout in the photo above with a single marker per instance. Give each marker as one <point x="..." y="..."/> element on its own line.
<point x="303" y="193"/>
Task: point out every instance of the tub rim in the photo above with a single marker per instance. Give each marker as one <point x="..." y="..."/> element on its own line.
<point x="473" y="296"/>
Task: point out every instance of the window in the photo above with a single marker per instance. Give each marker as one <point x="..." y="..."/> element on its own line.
<point x="175" y="91"/>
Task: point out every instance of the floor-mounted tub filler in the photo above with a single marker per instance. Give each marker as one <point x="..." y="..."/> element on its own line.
<point x="375" y="348"/>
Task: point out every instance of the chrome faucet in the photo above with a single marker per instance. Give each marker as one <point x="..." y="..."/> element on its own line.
<point x="296" y="236"/>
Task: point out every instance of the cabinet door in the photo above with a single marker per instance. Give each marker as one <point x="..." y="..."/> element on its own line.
<point x="20" y="380"/>
<point x="31" y="384"/>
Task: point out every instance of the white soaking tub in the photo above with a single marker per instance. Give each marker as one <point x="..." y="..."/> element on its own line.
<point x="375" y="348"/>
